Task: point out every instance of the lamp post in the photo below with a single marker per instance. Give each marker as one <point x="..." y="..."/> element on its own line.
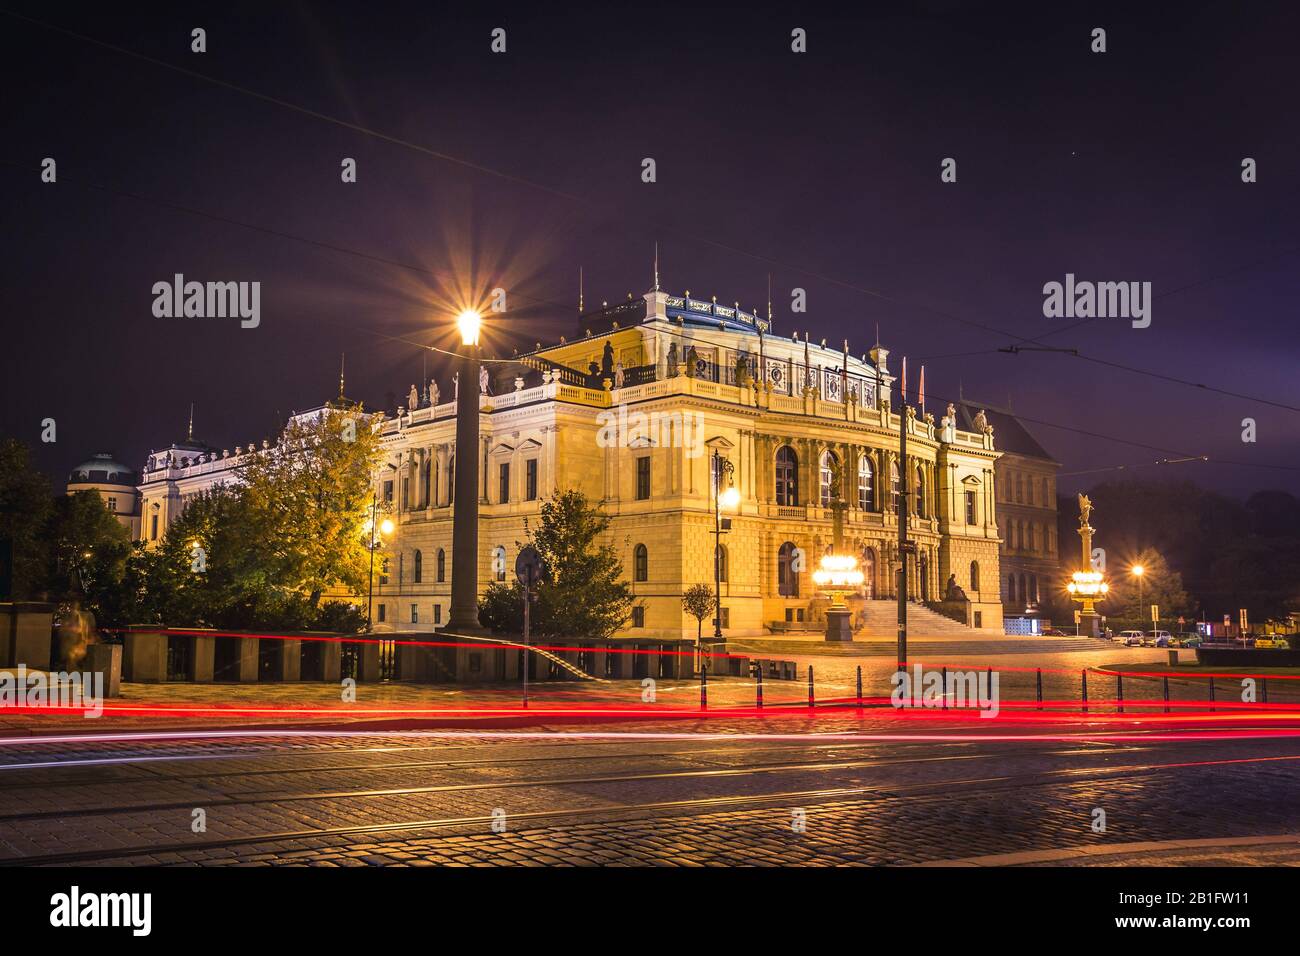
<point x="1087" y="586"/>
<point x="1139" y="572"/>
<point x="463" y="615"/>
<point x="838" y="573"/>
<point x="728" y="498"/>
<point x="373" y="541"/>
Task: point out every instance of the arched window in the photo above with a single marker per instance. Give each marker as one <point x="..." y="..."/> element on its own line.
<point x="641" y="563"/>
<point x="499" y="562"/>
<point x="418" y="566"/>
<point x="830" y="464"/>
<point x="722" y="563"/>
<point x="974" y="575"/>
<point x="864" y="483"/>
<point x="893" y="487"/>
<point x="869" y="572"/>
<point x="787" y="577"/>
<point x="1033" y="588"/>
<point x="920" y="492"/>
<point x="442" y="565"/>
<point x="1011" y="588"/>
<point x="787" y="477"/>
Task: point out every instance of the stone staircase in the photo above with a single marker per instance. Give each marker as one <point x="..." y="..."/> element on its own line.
<point x="882" y="623"/>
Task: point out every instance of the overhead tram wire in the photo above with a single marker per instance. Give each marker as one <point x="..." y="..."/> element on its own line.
<point x="590" y="204"/>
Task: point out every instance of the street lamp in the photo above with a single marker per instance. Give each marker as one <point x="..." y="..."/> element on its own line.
<point x="463" y="616"/>
<point x="1087" y="587"/>
<point x="373" y="533"/>
<point x="1139" y="572"/>
<point x="728" y="498"/>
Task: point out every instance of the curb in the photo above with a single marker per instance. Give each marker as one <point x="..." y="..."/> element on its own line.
<point x="1119" y="849"/>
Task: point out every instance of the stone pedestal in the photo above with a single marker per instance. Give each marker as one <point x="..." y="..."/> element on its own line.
<point x="248" y="647"/>
<point x="205" y="656"/>
<point x="291" y="660"/>
<point x="106" y="659"/>
<point x="369" y="662"/>
<point x="332" y="661"/>
<point x="144" y="657"/>
<point x="26" y="631"/>
<point x="839" y="626"/>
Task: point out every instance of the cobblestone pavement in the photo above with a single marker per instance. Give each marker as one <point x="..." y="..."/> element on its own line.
<point x="703" y="793"/>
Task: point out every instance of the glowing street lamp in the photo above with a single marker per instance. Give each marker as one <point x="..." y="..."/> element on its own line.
<point x="1139" y="572"/>
<point x="470" y="324"/>
<point x="1087" y="587"/>
<point x="838" y="573"/>
<point x="729" y="498"/>
<point x="463" y="616"/>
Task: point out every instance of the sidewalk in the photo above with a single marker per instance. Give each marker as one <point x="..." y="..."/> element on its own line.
<point x="1280" y="850"/>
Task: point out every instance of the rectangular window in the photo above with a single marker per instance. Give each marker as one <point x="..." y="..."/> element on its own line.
<point x="970" y="507"/>
<point x="112" y="504"/>
<point x="530" y="480"/>
<point x="406" y="493"/>
<point x="437" y="614"/>
<point x="383" y="612"/>
<point x="503" y="473"/>
<point x="383" y="571"/>
<point x="643" y="478"/>
<point x="388" y="492"/>
<point x="415" y="614"/>
<point x="153" y="528"/>
<point x="638" y="616"/>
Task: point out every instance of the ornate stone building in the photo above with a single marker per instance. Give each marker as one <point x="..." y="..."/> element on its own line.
<point x="630" y="412"/>
<point x="114" y="483"/>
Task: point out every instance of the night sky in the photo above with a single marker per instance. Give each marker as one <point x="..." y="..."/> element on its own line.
<point x="822" y="169"/>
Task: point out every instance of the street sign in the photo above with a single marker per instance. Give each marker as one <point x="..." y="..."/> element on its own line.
<point x="528" y="566"/>
<point x="1181" y="622"/>
<point x="1155" y="613"/>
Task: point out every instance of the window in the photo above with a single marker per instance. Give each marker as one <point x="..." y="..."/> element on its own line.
<point x="722" y="562"/>
<point x="787" y="477"/>
<point x="638" y="617"/>
<point x="893" y="486"/>
<point x="415" y="614"/>
<point x="442" y="565"/>
<point x="970" y="507"/>
<point x="406" y="493"/>
<point x="974" y="575"/>
<point x="1011" y="588"/>
<point x="864" y="483"/>
<point x="1020" y="489"/>
<point x="111" y="502"/>
<point x="418" y="566"/>
<point x="451" y="480"/>
<point x="383" y="612"/>
<point x="503" y="482"/>
<point x="499" y="562"/>
<point x="1033" y="587"/>
<point x="383" y="571"/>
<point x="643" y="478"/>
<point x="920" y="491"/>
<point x="641" y="563"/>
<point x="530" y="480"/>
<point x="437" y="614"/>
<point x="787" y="573"/>
<point x="388" y="492"/>
<point x="830" y="465"/>
<point x="426" y="475"/>
<point x="153" y="527"/>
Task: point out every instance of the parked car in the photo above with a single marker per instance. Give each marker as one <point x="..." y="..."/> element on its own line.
<point x="1053" y="632"/>
<point x="1131" y="638"/>
<point x="1271" y="642"/>
<point x="1191" y="640"/>
<point x="1155" y="639"/>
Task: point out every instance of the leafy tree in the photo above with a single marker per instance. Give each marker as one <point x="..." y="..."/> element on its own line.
<point x="1128" y="605"/>
<point x="88" y="550"/>
<point x="25" y="505"/>
<point x="699" y="602"/>
<point x="581" y="594"/>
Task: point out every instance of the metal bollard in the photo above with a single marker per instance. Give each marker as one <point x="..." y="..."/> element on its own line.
<point x="859" y="686"/>
<point x="1119" y="692"/>
<point x="1211" y="694"/>
<point x="704" y="689"/>
<point x="1166" y="682"/>
<point x="945" y="687"/>
<point x="758" y="688"/>
<point x="1085" y="689"/>
<point x="1038" y="687"/>
<point x="810" y="686"/>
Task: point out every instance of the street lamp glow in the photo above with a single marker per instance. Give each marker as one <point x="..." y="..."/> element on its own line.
<point x="838" y="572"/>
<point x="1139" y="570"/>
<point x="386" y="526"/>
<point x="730" y="497"/>
<point x="469" y="322"/>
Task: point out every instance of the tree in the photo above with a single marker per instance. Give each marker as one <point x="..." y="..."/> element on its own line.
<point x="699" y="601"/>
<point x="1128" y="604"/>
<point x="25" y="505"/>
<point x="581" y="594"/>
<point x="88" y="550"/>
<point x="263" y="551"/>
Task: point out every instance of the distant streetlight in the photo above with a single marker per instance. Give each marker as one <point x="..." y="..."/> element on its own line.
<point x="1139" y="572"/>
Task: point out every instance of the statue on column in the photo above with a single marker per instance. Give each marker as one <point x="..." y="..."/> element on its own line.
<point x="432" y="393"/>
<point x="981" y="422"/>
<point x="483" y="380"/>
<point x="413" y="400"/>
<point x="619" y="375"/>
<point x="948" y="425"/>
<point x="672" y="360"/>
<point x="607" y="360"/>
<point x="455" y="383"/>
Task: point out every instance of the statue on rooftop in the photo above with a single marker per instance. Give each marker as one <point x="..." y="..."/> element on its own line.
<point x="413" y="400"/>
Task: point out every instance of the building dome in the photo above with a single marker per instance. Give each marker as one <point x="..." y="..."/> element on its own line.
<point x="102" y="469"/>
